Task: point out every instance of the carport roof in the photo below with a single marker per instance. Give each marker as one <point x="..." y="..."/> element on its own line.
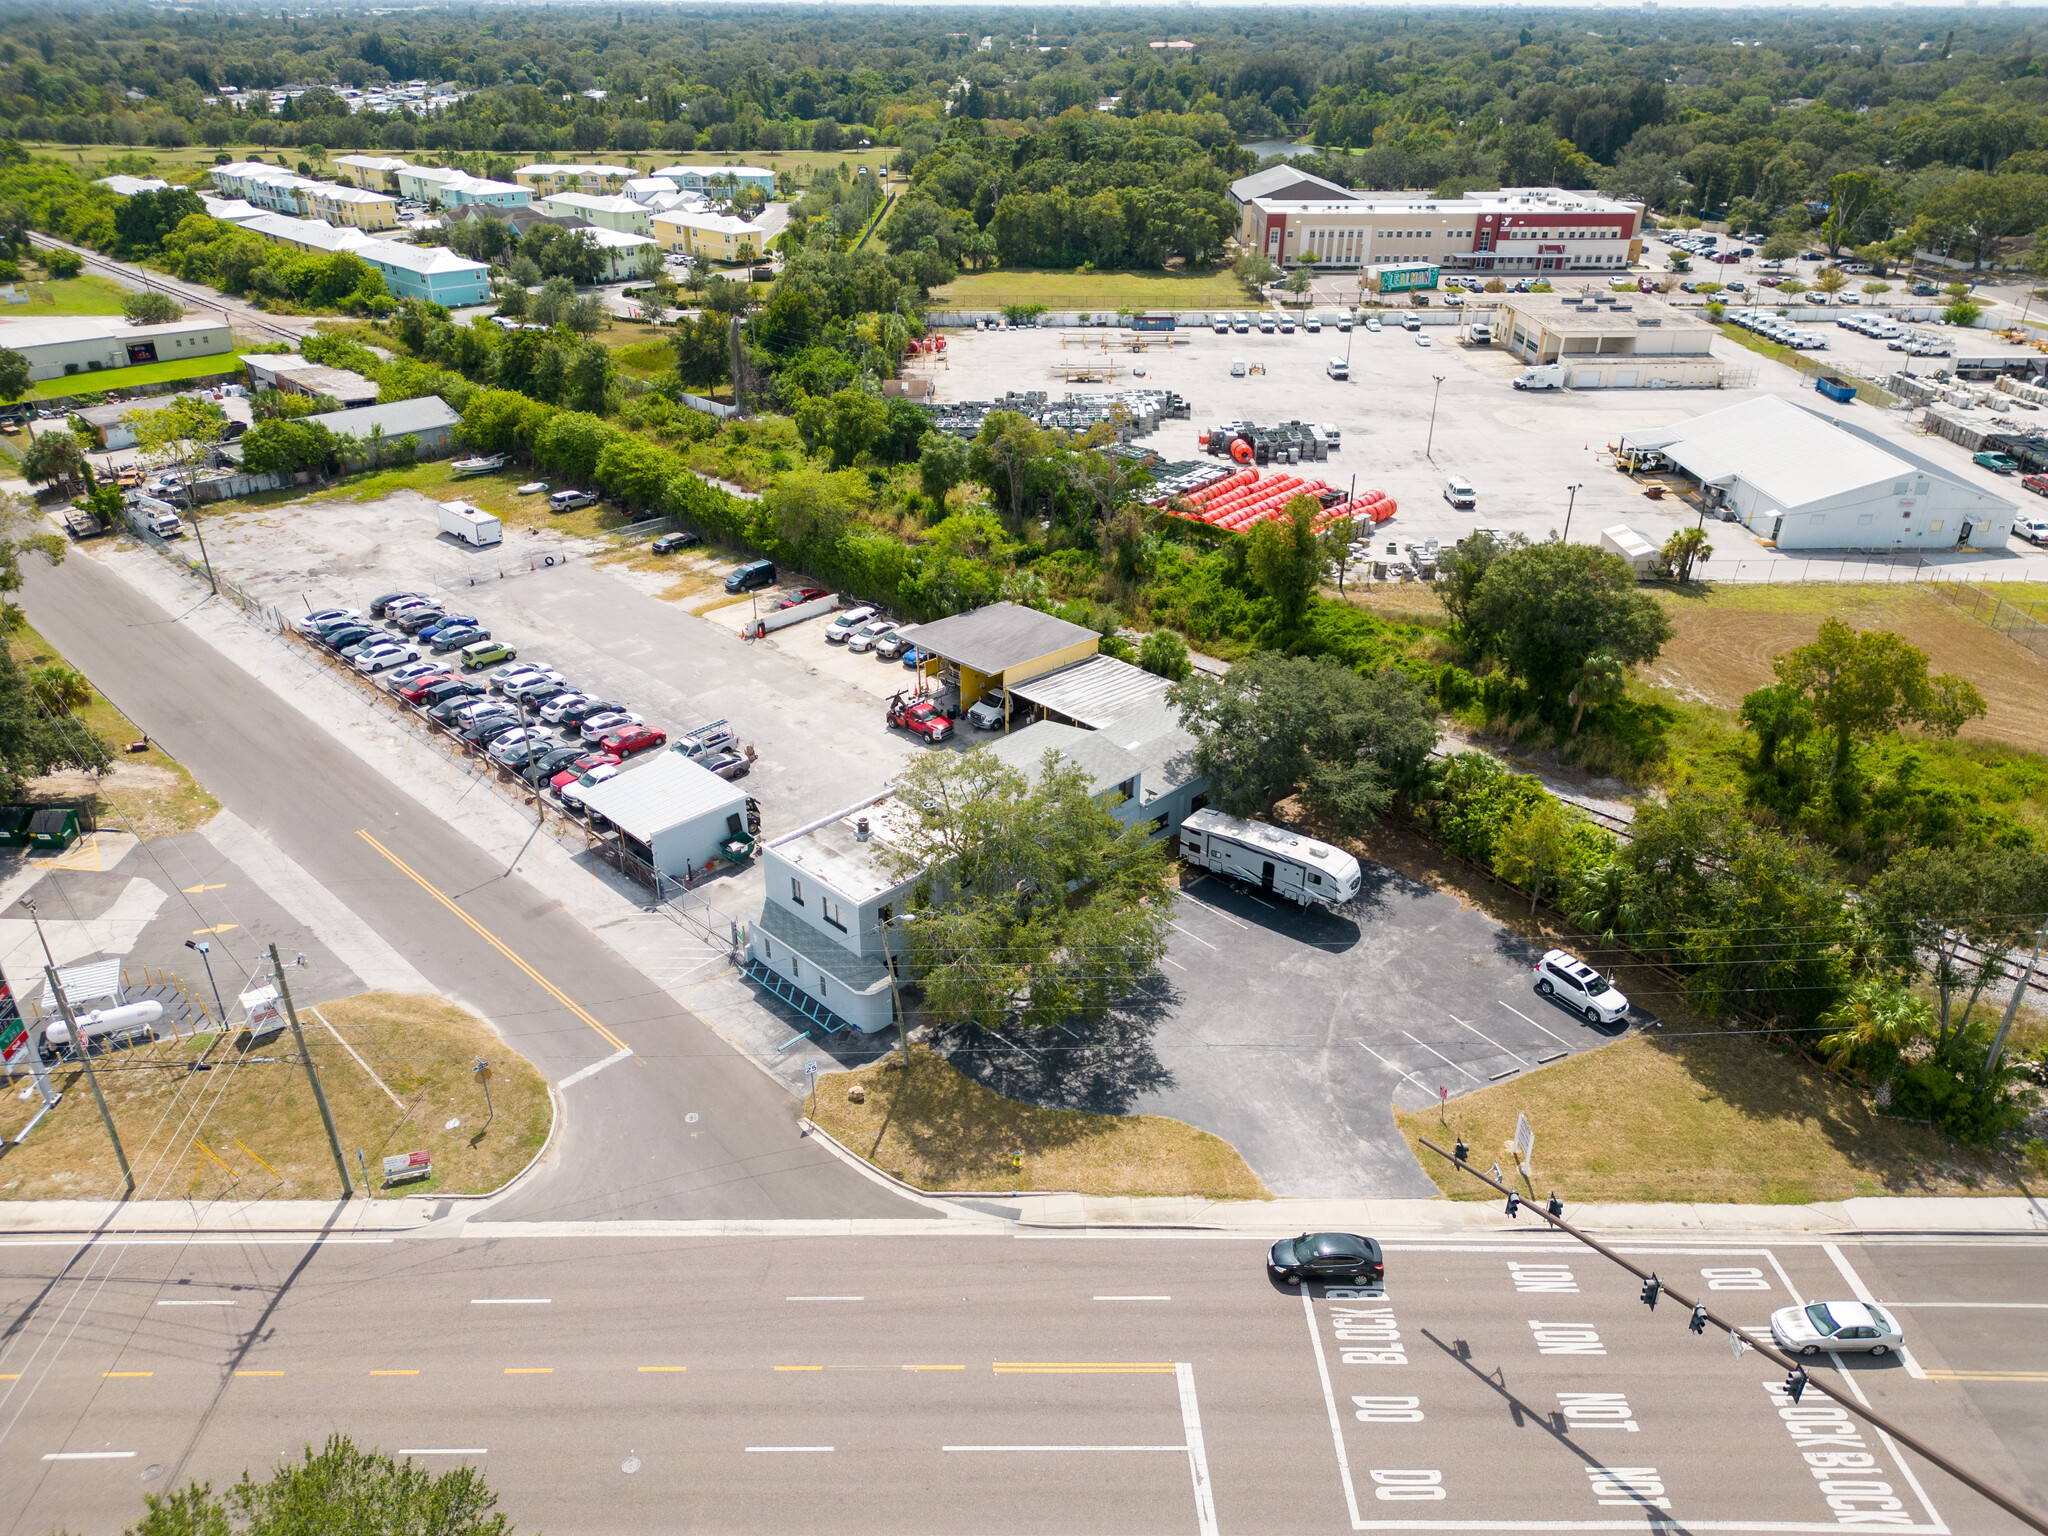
<point x="645" y="801"/>
<point x="1093" y="692"/>
<point x="994" y="639"/>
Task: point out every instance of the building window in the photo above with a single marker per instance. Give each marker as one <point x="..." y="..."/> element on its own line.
<point x="767" y="949"/>
<point x="732" y="824"/>
<point x="796" y="891"/>
<point x="821" y="983"/>
<point x="1128" y="789"/>
<point x="885" y="914"/>
<point x="834" y="914"/>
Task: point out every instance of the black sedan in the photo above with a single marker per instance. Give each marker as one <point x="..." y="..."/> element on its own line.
<point x="453" y="691"/>
<point x="669" y="543"/>
<point x="380" y="605"/>
<point x="345" y="635"/>
<point x="577" y="714"/>
<point x="1334" y="1256"/>
<point x="422" y="618"/>
<point x="539" y="770"/>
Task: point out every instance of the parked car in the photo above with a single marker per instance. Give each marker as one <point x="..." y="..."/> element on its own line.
<point x="1845" y="1326"/>
<point x="1568" y="979"/>
<point x="844" y="624"/>
<point x="313" y="622"/>
<point x="537" y="686"/>
<point x="892" y="645"/>
<point x="574" y="716"/>
<point x="382" y="656"/>
<point x="915" y="658"/>
<point x="921" y="717"/>
<point x="342" y="636"/>
<point x="457" y="638"/>
<point x="669" y="543"/>
<point x="405" y="605"/>
<point x="432" y="694"/>
<point x="634" y="739"/>
<point x="412" y="672"/>
<point x="988" y="711"/>
<point x="537" y="704"/>
<point x="1410" y="323"/>
<point x="864" y="638"/>
<point x="512" y="747"/>
<point x="573" y="792"/>
<point x="1459" y="493"/>
<point x="446" y="622"/>
<point x="1342" y="1257"/>
<point x="597" y="727"/>
<point x="569" y="501"/>
<point x="556" y="710"/>
<point x="1422" y="339"/>
<point x="751" y="577"/>
<point x="1372" y="324"/>
<point x="726" y="764"/>
<point x="583" y="763"/>
<point x="511" y="673"/>
<point x="418" y="690"/>
<point x="2038" y="484"/>
<point x="486" y="653"/>
<point x="543" y="766"/>
<point x="418" y="620"/>
<point x="1997" y="463"/>
<point x="379" y="606"/>
<point x="2033" y="529"/>
<point x="481" y="731"/>
<point x="803" y="595"/>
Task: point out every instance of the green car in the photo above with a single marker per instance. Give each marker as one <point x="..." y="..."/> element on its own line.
<point x="486" y="653"/>
<point x="1997" y="463"/>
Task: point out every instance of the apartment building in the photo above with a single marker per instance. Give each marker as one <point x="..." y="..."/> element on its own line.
<point x="431" y="272"/>
<point x="714" y="236"/>
<point x="273" y="188"/>
<point x="606" y="212"/>
<point x="1516" y="232"/>
<point x="373" y="173"/>
<point x="543" y="180"/>
<point x="708" y="178"/>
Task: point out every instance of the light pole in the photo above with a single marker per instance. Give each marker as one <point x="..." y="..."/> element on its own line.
<point x="1427" y="451"/>
<point x="1573" y="491"/>
<point x="205" y="949"/>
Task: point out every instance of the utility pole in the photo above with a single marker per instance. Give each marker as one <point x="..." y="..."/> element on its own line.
<point x="902" y="1019"/>
<point x="348" y="1186"/>
<point x="79" y="1044"/>
<point x="1573" y="490"/>
<point x="2012" y="1006"/>
<point x="1426" y="452"/>
<point x="738" y="407"/>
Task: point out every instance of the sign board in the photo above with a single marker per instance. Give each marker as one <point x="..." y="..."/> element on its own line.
<point x="265" y="1011"/>
<point x="404" y="1167"/>
<point x="13" y="1042"/>
<point x="1402" y="277"/>
<point x="1525" y="1142"/>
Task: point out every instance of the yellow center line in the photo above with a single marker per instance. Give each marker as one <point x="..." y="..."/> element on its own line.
<point x="259" y="1373"/>
<point x="15" y="1377"/>
<point x="394" y="1373"/>
<point x="647" y="1370"/>
<point x="1987" y="1375"/>
<point x="495" y="942"/>
<point x="529" y="1370"/>
<point x="1082" y="1368"/>
<point x="125" y="1375"/>
<point x="799" y="1367"/>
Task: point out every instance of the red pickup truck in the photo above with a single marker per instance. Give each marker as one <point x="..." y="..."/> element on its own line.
<point x="2038" y="484"/>
<point x="921" y="717"/>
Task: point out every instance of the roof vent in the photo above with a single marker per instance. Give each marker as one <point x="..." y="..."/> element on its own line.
<point x="860" y="829"/>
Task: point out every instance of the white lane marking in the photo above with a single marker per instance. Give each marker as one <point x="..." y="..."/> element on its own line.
<point x="1376" y="1056"/>
<point x="1482" y="1034"/>
<point x="1849" y="1379"/>
<point x="1173" y="962"/>
<point x="1206" y="1528"/>
<point x="824" y="1298"/>
<point x="1210" y="906"/>
<point x="1440" y="1056"/>
<point x="1195" y="936"/>
<point x="2030" y="1306"/>
<point x="1862" y="1294"/>
<point x="765" y="1448"/>
<point x="89" y="1456"/>
<point x="1198" y="1455"/>
<point x="593" y="1069"/>
<point x="195" y="1303"/>
<point x="443" y="1450"/>
<point x="1560" y="1039"/>
<point x="511" y="1301"/>
<point x="394" y="1098"/>
<point x="1134" y="1298"/>
<point x="1315" y="1337"/>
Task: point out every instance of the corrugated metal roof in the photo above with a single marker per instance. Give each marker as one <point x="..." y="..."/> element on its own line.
<point x="649" y="798"/>
<point x="1106" y="764"/>
<point x="1790" y="454"/>
<point x="428" y="413"/>
<point x="994" y="639"/>
<point x="1093" y="692"/>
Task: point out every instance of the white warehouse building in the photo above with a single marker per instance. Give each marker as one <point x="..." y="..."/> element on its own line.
<point x="1801" y="479"/>
<point x="671" y="812"/>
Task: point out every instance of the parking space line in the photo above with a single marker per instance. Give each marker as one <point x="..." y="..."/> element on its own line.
<point x="761" y="1449"/>
<point x="1440" y="1056"/>
<point x="1560" y="1039"/>
<point x="1206" y="1526"/>
<point x="1862" y="1293"/>
<point x="1487" y="1038"/>
<point x="1173" y="962"/>
<point x="89" y="1456"/>
<point x="1408" y="1076"/>
<point x="1195" y="936"/>
<point x="1210" y="906"/>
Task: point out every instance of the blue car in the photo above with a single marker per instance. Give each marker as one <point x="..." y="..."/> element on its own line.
<point x="914" y="658"/>
<point x="453" y="621"/>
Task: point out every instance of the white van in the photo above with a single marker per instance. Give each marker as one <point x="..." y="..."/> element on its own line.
<point x="1337" y="368"/>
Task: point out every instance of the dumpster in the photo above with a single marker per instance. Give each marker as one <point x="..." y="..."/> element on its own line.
<point x="53" y="830"/>
<point x="14" y="821"/>
<point x="1839" y="390"/>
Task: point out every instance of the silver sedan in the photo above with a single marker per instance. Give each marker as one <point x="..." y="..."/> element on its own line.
<point x="1833" y="1326"/>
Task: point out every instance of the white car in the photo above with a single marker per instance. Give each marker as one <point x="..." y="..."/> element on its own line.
<point x="412" y="672"/>
<point x="1373" y="323"/>
<point x="511" y="672"/>
<point x="597" y="727"/>
<point x="864" y="638"/>
<point x="1459" y="493"/>
<point x="554" y="709"/>
<point x="1565" y="977"/>
<point x="376" y="658"/>
<point x="541" y="684"/>
<point x="405" y="605"/>
<point x="1421" y="340"/>
<point x="841" y="629"/>
<point x="986" y="713"/>
<point x="314" y="620"/>
<point x="504" y="746"/>
<point x="1835" y="1325"/>
<point x="572" y="792"/>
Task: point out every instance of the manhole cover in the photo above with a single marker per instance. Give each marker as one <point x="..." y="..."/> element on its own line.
<point x="630" y="1464"/>
<point x="153" y="1471"/>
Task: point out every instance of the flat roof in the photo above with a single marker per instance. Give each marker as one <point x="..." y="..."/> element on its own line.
<point x="834" y="851"/>
<point x="1093" y="692"/>
<point x="1631" y="312"/>
<point x="1106" y="764"/>
<point x="994" y="639"/>
<point x="649" y="798"/>
<point x="427" y="413"/>
<point x="57" y="330"/>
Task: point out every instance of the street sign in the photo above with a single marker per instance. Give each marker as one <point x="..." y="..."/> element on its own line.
<point x="1738" y="1346"/>
<point x="1525" y="1142"/>
<point x="13" y="1042"/>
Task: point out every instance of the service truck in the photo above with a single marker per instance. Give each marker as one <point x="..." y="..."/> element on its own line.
<point x="1545" y="376"/>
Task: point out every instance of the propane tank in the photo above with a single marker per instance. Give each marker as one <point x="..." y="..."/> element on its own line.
<point x="106" y="1021"/>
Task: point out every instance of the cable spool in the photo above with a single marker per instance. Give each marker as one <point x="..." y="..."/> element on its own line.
<point x="1241" y="451"/>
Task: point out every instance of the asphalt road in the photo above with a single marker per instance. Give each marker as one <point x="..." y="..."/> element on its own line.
<point x="489" y="941"/>
<point x="1012" y="1381"/>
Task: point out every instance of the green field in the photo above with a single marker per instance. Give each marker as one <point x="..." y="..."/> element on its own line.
<point x="144" y="373"/>
<point x="1092" y="290"/>
<point x="85" y="295"/>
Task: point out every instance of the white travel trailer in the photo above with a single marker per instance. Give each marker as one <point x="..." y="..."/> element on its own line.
<point x="1272" y="858"/>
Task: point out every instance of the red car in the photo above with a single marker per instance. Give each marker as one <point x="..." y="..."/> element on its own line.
<point x="637" y="738"/>
<point x="1769" y="282"/>
<point x="580" y="767"/>
<point x="803" y="595"/>
<point x="920" y="717"/>
<point x="2038" y="484"/>
<point x="416" y="690"/>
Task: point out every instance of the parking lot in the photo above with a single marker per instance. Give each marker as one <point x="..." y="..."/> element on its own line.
<point x="1413" y="416"/>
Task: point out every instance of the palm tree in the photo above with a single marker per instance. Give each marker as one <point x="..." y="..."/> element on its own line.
<point x="1872" y="1027"/>
<point x="1603" y="680"/>
<point x="1685" y="549"/>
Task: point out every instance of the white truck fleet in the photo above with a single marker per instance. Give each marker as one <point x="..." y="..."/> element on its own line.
<point x="1271" y="858"/>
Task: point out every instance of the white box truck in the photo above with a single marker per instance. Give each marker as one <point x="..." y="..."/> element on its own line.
<point x="1272" y="858"/>
<point x="1546" y="376"/>
<point x="1638" y="551"/>
<point x="470" y="524"/>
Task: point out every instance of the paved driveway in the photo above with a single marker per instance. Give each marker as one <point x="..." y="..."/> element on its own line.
<point x="1292" y="1034"/>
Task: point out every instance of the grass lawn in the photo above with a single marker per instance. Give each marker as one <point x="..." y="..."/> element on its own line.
<point x="1711" y="1117"/>
<point x="250" y="1129"/>
<point x="147" y="793"/>
<point x="1092" y="290"/>
<point x="108" y="379"/>
<point x="86" y="294"/>
<point x="937" y="1129"/>
<point x="495" y="493"/>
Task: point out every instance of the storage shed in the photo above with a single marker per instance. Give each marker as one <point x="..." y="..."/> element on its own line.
<point x="1800" y="479"/>
<point x="1624" y="541"/>
<point x="997" y="646"/>
<point x="671" y="813"/>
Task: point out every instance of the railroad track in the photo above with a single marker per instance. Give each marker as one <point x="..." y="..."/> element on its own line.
<point x="242" y="319"/>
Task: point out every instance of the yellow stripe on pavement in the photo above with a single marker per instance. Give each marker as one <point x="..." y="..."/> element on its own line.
<point x="1083" y="1368"/>
<point x="799" y="1367"/>
<point x="1987" y="1375"/>
<point x="495" y="942"/>
<point x="529" y="1370"/>
<point x="124" y="1375"/>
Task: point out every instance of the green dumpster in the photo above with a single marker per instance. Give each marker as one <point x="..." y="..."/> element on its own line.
<point x="53" y="830"/>
<point x="14" y="825"/>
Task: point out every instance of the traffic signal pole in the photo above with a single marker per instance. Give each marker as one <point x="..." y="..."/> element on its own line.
<point x="1796" y="1378"/>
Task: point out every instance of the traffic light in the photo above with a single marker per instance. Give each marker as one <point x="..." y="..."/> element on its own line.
<point x="1459" y="1151"/>
<point x="1795" y="1383"/>
<point x="1651" y="1287"/>
<point x="1514" y="1203"/>
<point x="1699" y="1317"/>
<point x="1556" y="1206"/>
